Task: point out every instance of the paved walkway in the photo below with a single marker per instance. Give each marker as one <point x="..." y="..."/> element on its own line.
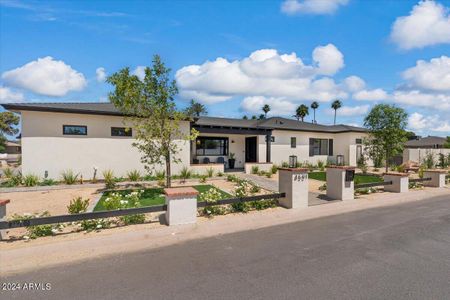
<point x="314" y="198"/>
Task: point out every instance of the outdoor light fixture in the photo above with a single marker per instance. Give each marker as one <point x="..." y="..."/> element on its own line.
<point x="292" y="161"/>
<point x="45" y="174"/>
<point x="340" y="160"/>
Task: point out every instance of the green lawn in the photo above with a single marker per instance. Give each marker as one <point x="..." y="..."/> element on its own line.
<point x="322" y="176"/>
<point x="155" y="196"/>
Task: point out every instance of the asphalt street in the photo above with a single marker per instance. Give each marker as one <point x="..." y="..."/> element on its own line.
<point x="396" y="252"/>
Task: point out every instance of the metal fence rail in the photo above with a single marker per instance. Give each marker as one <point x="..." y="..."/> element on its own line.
<point x="420" y="179"/>
<point x="121" y="212"/>
<point x="372" y="184"/>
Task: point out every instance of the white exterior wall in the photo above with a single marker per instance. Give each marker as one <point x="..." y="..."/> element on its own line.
<point x="343" y="144"/>
<point x="45" y="148"/>
<point x="418" y="155"/>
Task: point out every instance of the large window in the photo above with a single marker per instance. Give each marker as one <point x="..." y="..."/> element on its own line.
<point x="320" y="147"/>
<point x="74" y="130"/>
<point x="212" y="146"/>
<point x="121" y="131"/>
<point x="293" y="142"/>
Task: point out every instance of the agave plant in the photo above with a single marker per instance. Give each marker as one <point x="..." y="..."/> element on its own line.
<point x="69" y="177"/>
<point x="134" y="175"/>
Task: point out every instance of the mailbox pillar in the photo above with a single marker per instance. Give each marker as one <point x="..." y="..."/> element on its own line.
<point x="437" y="178"/>
<point x="293" y="182"/>
<point x="400" y="182"/>
<point x="3" y="204"/>
<point x="340" y="184"/>
<point x="181" y="205"/>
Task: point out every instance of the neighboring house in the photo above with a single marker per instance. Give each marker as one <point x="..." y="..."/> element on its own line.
<point x="84" y="136"/>
<point x="416" y="149"/>
<point x="13" y="147"/>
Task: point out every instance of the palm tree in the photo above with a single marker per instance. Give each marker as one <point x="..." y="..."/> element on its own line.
<point x="266" y="109"/>
<point x="336" y="105"/>
<point x="314" y="106"/>
<point x="301" y="112"/>
<point x="196" y="109"/>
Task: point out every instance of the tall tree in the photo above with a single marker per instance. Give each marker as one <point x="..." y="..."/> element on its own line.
<point x="265" y="109"/>
<point x="314" y="106"/>
<point x="301" y="112"/>
<point x="336" y="105"/>
<point x="149" y="106"/>
<point x="195" y="109"/>
<point x="386" y="124"/>
<point x="245" y="118"/>
<point x="8" y="121"/>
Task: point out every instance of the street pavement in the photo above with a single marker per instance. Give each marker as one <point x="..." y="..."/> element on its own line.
<point x="395" y="252"/>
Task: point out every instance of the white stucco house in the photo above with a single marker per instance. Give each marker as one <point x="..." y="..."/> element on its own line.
<point x="84" y="136"/>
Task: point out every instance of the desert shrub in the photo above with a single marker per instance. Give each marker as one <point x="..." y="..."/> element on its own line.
<point x="202" y="178"/>
<point x="285" y="164"/>
<point x="243" y="189"/>
<point x="220" y="174"/>
<point x="38" y="230"/>
<point x="365" y="191"/>
<point x="69" y="177"/>
<point x="14" y="180"/>
<point x="77" y="205"/>
<point x="134" y="175"/>
<point x="8" y="173"/>
<point x="269" y="174"/>
<point x="185" y="173"/>
<point x="160" y="175"/>
<point x="110" y="181"/>
<point x="263" y="204"/>
<point x="429" y="160"/>
<point x="97" y="224"/>
<point x="321" y="165"/>
<point x="401" y="168"/>
<point x="254" y="189"/>
<point x="210" y="172"/>
<point x="47" y="182"/>
<point x="421" y="170"/>
<point x="116" y="201"/>
<point x="211" y="197"/>
<point x="30" y="180"/>
<point x="274" y="169"/>
<point x="323" y="187"/>
<point x="443" y="163"/>
<point x="255" y="170"/>
<point x="261" y="173"/>
<point x="161" y="183"/>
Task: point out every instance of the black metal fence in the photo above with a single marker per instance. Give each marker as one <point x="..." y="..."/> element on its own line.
<point x="372" y="184"/>
<point x="420" y="179"/>
<point x="121" y="212"/>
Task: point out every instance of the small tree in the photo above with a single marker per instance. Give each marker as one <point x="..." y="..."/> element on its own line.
<point x="244" y="118"/>
<point x="314" y="106"/>
<point x="266" y="109"/>
<point x="301" y="112"/>
<point x="386" y="124"/>
<point x="7" y="122"/>
<point x="195" y="109"/>
<point x="149" y="105"/>
<point x="447" y="143"/>
<point x="336" y="105"/>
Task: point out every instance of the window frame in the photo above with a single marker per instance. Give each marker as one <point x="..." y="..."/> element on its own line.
<point x="293" y="142"/>
<point x="204" y="138"/>
<point x="328" y="147"/>
<point x="81" y="126"/>
<point x="130" y="130"/>
<point x="358" y="141"/>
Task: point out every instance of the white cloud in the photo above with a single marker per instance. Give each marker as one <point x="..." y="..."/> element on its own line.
<point x="329" y="59"/>
<point x="318" y="7"/>
<point x="433" y="75"/>
<point x="371" y="95"/>
<point x="264" y="73"/>
<point x="9" y="96"/>
<point x="354" y="83"/>
<point x="278" y="106"/>
<point x="139" y="72"/>
<point x="427" y="24"/>
<point x="420" y="123"/>
<point x="100" y="74"/>
<point x="418" y="98"/>
<point x="350" y="111"/>
<point x="46" y="76"/>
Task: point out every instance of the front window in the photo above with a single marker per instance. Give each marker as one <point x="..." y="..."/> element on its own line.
<point x="212" y="146"/>
<point x="320" y="147"/>
<point x="121" y="131"/>
<point x="74" y="130"/>
<point x="293" y="142"/>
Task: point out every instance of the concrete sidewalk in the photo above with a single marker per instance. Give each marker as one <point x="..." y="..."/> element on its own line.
<point x="19" y="256"/>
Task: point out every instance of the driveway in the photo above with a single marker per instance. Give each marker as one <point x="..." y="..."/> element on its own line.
<point x="394" y="252"/>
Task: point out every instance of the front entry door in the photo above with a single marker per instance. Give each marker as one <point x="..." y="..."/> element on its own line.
<point x="250" y="149"/>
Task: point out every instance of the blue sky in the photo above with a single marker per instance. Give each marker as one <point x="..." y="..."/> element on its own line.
<point x="283" y="53"/>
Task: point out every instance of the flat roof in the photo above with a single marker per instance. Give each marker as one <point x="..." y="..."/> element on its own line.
<point x="106" y="108"/>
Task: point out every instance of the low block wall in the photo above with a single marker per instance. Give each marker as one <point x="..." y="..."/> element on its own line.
<point x="201" y="169"/>
<point x="261" y="166"/>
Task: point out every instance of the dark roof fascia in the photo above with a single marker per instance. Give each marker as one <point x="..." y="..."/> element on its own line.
<point x="231" y="129"/>
<point x="320" y="131"/>
<point x="61" y="110"/>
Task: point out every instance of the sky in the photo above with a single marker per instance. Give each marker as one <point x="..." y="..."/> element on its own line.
<point x="236" y="56"/>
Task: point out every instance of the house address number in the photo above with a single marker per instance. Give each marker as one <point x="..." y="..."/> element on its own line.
<point x="300" y="177"/>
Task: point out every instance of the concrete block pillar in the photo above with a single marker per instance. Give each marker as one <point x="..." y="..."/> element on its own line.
<point x="181" y="205"/>
<point x="3" y="216"/>
<point x="293" y="182"/>
<point x="437" y="178"/>
<point x="340" y="184"/>
<point x="400" y="182"/>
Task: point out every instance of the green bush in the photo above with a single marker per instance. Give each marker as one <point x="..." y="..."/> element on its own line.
<point x="116" y="201"/>
<point x="232" y="178"/>
<point x="210" y="172"/>
<point x="110" y="182"/>
<point x="69" y="177"/>
<point x="185" y="173"/>
<point x="8" y="173"/>
<point x="263" y="204"/>
<point x="255" y="170"/>
<point x="134" y="175"/>
<point x="38" y="230"/>
<point x="211" y="197"/>
<point x="220" y="174"/>
<point x="48" y="181"/>
<point x="160" y="175"/>
<point x="77" y="205"/>
<point x="97" y="224"/>
<point x="321" y="165"/>
<point x="274" y="169"/>
<point x="285" y="164"/>
<point x="202" y="178"/>
<point x="255" y="189"/>
<point x="30" y="180"/>
<point x="429" y="160"/>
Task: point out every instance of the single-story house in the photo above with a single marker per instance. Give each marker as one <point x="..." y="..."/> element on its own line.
<point x="417" y="149"/>
<point x="87" y="136"/>
<point x="429" y="142"/>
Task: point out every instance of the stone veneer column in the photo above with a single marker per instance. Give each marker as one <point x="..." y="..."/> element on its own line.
<point x="337" y="187"/>
<point x="3" y="216"/>
<point x="181" y="205"/>
<point x="437" y="178"/>
<point x="400" y="182"/>
<point x="293" y="182"/>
